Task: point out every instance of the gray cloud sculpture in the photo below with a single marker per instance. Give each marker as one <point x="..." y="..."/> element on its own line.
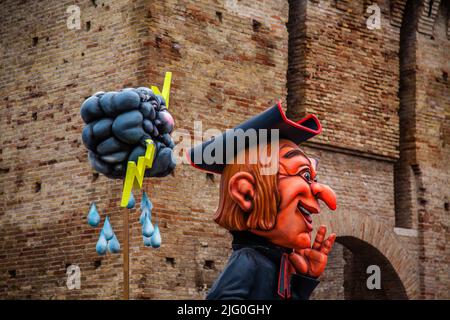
<point x="117" y="125"/>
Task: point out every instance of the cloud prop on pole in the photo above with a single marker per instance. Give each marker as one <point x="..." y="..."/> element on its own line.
<point x="117" y="127"/>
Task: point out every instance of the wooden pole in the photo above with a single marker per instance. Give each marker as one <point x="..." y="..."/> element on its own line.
<point x="126" y="257"/>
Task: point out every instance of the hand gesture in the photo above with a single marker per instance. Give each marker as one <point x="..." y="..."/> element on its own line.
<point x="312" y="261"/>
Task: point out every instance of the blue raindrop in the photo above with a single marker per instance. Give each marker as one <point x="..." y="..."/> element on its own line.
<point x="147" y="241"/>
<point x="93" y="217"/>
<point x="102" y="244"/>
<point x="107" y="229"/>
<point x="131" y="202"/>
<point x="145" y="202"/>
<point x="147" y="228"/>
<point x="156" y="238"/>
<point x="145" y="213"/>
<point x="114" y="245"/>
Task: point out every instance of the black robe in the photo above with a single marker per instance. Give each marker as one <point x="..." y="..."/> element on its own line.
<point x="252" y="272"/>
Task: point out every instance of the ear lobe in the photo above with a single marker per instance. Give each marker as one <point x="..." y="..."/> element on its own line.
<point x="241" y="188"/>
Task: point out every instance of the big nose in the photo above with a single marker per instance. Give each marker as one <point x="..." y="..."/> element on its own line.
<point x="324" y="193"/>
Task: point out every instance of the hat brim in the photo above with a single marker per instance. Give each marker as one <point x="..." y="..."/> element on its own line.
<point x="272" y="118"/>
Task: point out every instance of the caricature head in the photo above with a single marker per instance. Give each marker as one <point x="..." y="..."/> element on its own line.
<point x="278" y="206"/>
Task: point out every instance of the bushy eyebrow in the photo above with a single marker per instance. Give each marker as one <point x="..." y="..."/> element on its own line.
<point x="294" y="153"/>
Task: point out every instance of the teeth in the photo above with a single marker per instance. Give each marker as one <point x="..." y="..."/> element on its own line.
<point x="304" y="211"/>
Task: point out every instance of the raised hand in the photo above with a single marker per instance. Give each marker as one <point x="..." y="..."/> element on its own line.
<point x="312" y="261"/>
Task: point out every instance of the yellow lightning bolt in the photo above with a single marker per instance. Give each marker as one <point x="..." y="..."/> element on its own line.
<point x="135" y="173"/>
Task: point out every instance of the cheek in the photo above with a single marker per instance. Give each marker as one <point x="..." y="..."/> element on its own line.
<point x="290" y="223"/>
<point x="291" y="230"/>
<point x="289" y="188"/>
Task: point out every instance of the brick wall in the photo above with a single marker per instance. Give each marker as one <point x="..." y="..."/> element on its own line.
<point x="230" y="60"/>
<point x="433" y="152"/>
<point x="47" y="183"/>
<point x="347" y="75"/>
<point x="227" y="59"/>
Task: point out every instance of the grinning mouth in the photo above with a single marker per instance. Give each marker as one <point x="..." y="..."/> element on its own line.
<point x="306" y="214"/>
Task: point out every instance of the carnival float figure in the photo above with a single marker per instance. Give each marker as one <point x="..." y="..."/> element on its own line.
<point x="268" y="212"/>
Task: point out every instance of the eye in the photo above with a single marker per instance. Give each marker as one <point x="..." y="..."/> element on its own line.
<point x="306" y="175"/>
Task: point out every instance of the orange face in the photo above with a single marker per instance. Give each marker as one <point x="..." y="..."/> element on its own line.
<point x="299" y="198"/>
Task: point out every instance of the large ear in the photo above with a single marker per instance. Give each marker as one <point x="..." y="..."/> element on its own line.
<point x="241" y="188"/>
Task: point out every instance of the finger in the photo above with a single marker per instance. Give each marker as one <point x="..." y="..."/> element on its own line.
<point x="328" y="244"/>
<point x="299" y="263"/>
<point x="313" y="255"/>
<point x="319" y="237"/>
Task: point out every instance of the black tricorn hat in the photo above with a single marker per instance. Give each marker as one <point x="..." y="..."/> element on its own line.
<point x="272" y="118"/>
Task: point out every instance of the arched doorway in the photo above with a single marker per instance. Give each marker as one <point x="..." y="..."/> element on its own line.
<point x="358" y="256"/>
<point x="346" y="274"/>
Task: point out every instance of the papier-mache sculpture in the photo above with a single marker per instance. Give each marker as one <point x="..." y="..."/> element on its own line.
<point x="118" y="124"/>
<point x="268" y="194"/>
<point x="127" y="134"/>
